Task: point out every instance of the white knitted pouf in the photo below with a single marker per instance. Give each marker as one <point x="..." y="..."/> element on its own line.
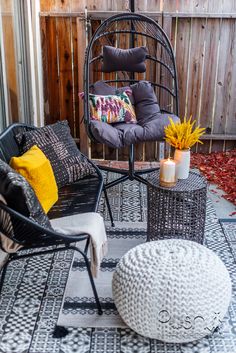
<point x="172" y="290"/>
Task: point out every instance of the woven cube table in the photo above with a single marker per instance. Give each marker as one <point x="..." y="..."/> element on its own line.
<point x="177" y="212"/>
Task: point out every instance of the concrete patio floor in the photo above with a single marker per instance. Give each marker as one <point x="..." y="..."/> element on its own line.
<point x="223" y="208"/>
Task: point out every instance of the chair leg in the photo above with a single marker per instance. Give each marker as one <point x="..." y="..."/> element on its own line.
<point x="131" y="162"/>
<point x="140" y="179"/>
<point x="86" y="245"/>
<point x="3" y="274"/>
<point x="100" y="312"/>
<point x="117" y="181"/>
<point x="130" y="174"/>
<point x="72" y="247"/>
<point x="113" y="170"/>
<point x="108" y="207"/>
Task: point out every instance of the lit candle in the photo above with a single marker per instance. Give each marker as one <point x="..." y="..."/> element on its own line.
<point x="167" y="172"/>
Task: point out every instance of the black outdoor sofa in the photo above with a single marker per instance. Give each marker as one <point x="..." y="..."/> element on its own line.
<point x="80" y="197"/>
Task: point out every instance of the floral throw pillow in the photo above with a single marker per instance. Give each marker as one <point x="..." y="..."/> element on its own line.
<point x="112" y="108"/>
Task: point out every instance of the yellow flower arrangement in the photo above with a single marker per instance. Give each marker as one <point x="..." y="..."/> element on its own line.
<point x="183" y="135"/>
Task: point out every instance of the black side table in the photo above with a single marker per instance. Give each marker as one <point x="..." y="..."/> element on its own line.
<point x="177" y="212"/>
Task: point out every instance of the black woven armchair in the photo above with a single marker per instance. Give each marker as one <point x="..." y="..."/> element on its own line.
<point x="80" y="197"/>
<point x="125" y="31"/>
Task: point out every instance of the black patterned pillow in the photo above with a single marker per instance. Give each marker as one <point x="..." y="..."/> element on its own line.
<point x="56" y="142"/>
<point x="20" y="196"/>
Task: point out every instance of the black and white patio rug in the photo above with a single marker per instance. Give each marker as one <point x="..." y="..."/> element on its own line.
<point x="32" y="296"/>
<point x="79" y="307"/>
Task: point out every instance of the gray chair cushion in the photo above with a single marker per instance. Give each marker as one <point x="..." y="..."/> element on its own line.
<point x="121" y="134"/>
<point x="153" y="130"/>
<point x="151" y="122"/>
<point x="116" y="59"/>
<point x="106" y="133"/>
<point x="146" y="106"/>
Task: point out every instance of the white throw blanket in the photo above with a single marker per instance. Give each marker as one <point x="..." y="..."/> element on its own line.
<point x="90" y="223"/>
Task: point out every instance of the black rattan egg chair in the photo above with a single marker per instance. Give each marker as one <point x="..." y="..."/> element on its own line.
<point x="131" y="30"/>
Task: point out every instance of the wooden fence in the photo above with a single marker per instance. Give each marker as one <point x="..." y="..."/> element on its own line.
<point x="203" y="35"/>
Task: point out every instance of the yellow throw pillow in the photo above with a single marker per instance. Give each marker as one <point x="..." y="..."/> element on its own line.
<point x="37" y="170"/>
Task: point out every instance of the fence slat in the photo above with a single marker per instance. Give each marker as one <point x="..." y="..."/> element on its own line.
<point x="182" y="57"/>
<point x="220" y="6"/>
<point x="99" y="5"/>
<point x="224" y="76"/>
<point x="75" y="80"/>
<point x="148" y="5"/>
<point x="195" y="65"/>
<point x="212" y="35"/>
<point x="60" y="5"/>
<point x="81" y="35"/>
<point x="154" y="74"/>
<point x="45" y="5"/>
<point x="52" y="109"/>
<point x="43" y="27"/>
<point x="230" y="145"/>
<point x="65" y="54"/>
<point x="192" y="6"/>
<point x="96" y="149"/>
<point x="231" y="112"/>
<point x="78" y="5"/>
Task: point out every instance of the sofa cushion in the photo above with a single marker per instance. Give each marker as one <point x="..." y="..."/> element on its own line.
<point x="146" y="105"/>
<point x="20" y="196"/>
<point x="34" y="166"/>
<point x="117" y="59"/>
<point x="57" y="144"/>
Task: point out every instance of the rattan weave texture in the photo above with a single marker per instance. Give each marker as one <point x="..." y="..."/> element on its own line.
<point x="177" y="212"/>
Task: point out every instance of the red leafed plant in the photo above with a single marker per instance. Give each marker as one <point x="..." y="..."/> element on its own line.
<point x="219" y="168"/>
